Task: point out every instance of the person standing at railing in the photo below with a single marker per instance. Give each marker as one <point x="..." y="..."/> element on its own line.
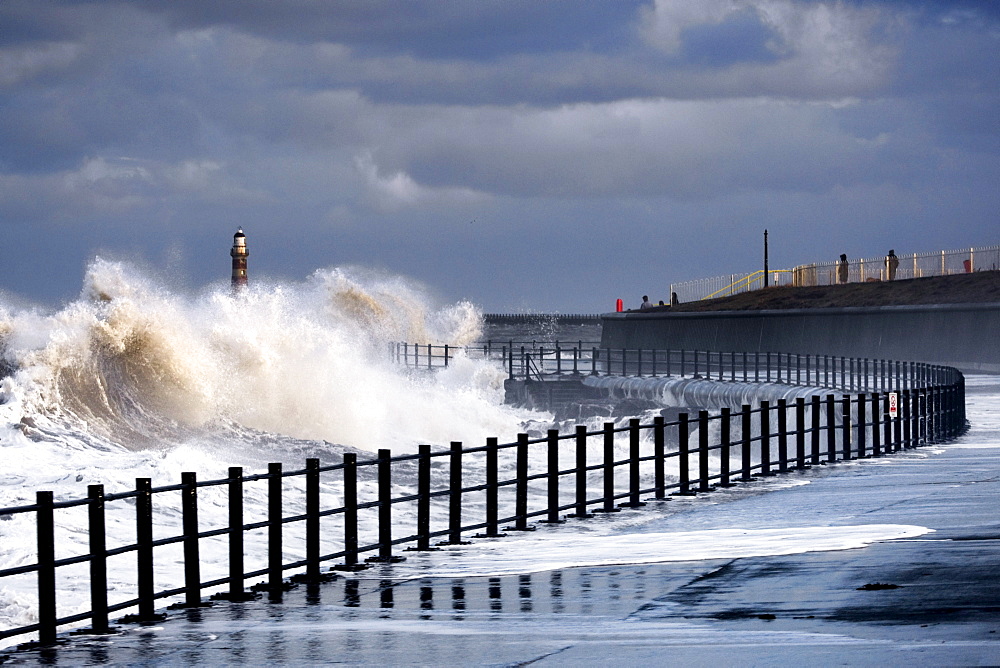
<point x="646" y="304"/>
<point x="891" y="264"/>
<point x="842" y="269"/>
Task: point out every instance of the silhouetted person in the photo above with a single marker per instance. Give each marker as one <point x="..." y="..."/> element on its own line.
<point x="842" y="269"/>
<point x="646" y="304"/>
<point x="674" y="301"/>
<point x="891" y="264"/>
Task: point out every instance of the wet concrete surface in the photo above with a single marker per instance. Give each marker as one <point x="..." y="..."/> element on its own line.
<point x="928" y="601"/>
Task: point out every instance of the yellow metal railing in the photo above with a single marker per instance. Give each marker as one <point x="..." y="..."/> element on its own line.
<point x="743" y="284"/>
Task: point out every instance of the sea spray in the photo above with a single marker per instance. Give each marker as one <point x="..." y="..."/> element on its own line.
<point x="134" y="380"/>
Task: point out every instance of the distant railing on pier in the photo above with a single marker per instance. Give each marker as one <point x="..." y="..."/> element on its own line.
<point x="859" y="270"/>
<point x="689" y="455"/>
<point x="532" y="318"/>
<point x="535" y="361"/>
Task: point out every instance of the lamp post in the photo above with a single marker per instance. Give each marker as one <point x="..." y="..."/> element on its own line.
<point x="765" y="260"/>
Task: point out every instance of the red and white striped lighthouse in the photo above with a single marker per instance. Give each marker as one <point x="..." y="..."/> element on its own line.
<point x="239" y="254"/>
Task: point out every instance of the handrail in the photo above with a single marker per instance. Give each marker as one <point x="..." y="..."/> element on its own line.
<point x="926" y="407"/>
<point x="912" y="265"/>
<point x="807" y="370"/>
<point x="749" y="279"/>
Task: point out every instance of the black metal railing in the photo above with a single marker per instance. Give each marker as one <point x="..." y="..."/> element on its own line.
<point x="541" y="361"/>
<point x="689" y="455"/>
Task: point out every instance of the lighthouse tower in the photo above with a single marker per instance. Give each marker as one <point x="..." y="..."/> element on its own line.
<point x="239" y="254"/>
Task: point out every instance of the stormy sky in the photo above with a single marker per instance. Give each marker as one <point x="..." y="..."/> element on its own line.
<point x="536" y="155"/>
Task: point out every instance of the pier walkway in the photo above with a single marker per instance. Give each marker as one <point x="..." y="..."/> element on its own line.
<point x="927" y="600"/>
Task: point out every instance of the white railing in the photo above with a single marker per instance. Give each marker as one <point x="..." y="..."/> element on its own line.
<point x="915" y="265"/>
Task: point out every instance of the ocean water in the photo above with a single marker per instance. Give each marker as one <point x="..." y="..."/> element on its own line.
<point x="134" y="380"/>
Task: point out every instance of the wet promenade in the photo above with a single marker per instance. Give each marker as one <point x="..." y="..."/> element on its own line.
<point x="924" y="601"/>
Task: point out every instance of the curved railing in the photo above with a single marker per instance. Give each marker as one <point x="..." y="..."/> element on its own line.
<point x="859" y="270"/>
<point x="534" y="361"/>
<point x="689" y="455"/>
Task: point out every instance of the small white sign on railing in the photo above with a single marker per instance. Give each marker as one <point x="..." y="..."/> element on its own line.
<point x="894" y="404"/>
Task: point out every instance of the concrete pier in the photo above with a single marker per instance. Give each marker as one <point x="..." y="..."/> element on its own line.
<point x="949" y="334"/>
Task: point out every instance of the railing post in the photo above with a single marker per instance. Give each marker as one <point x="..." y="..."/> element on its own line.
<point x="659" y="456"/>
<point x="905" y="401"/>
<point x="746" y="431"/>
<point x="683" y="450"/>
<point x="189" y="519"/>
<point x="831" y="429"/>
<point x="765" y="438"/>
<point x="782" y="435"/>
<point x="521" y="486"/>
<point x="275" y="529"/>
<point x="725" y="442"/>
<point x="351" y="512"/>
<point x="312" y="519"/>
<point x="98" y="560"/>
<point x="609" y="470"/>
<point x="236" y="533"/>
<point x="423" y="497"/>
<point x="552" y="477"/>
<point x="845" y="426"/>
<point x="492" y="489"/>
<point x="581" y="473"/>
<point x="876" y="425"/>
<point x="46" y="543"/>
<point x="455" y="494"/>
<point x="862" y="426"/>
<point x="144" y="547"/>
<point x="814" y="422"/>
<point x="800" y="433"/>
<point x="897" y="424"/>
<point x="594" y="354"/>
<point x="384" y="510"/>
<point x="703" y="482"/>
<point x="633" y="465"/>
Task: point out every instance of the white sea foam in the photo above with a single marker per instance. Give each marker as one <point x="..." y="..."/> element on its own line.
<point x="133" y="380"/>
<point x="548" y="552"/>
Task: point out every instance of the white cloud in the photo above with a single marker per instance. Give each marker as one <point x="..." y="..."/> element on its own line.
<point x="820" y="45"/>
<point x="22" y="64"/>
<point x="398" y="191"/>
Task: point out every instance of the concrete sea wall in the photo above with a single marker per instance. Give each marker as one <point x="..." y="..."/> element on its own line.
<point x="960" y="335"/>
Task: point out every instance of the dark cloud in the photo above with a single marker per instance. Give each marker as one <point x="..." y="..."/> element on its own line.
<point x="373" y="132"/>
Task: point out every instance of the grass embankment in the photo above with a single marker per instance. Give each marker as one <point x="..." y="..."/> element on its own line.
<point x="975" y="288"/>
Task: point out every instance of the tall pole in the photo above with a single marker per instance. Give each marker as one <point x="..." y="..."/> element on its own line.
<point x="765" y="260"/>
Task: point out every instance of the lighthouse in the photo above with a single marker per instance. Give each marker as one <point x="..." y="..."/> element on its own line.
<point x="239" y="254"/>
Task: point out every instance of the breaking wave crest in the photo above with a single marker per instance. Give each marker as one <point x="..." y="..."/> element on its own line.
<point x="131" y="364"/>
